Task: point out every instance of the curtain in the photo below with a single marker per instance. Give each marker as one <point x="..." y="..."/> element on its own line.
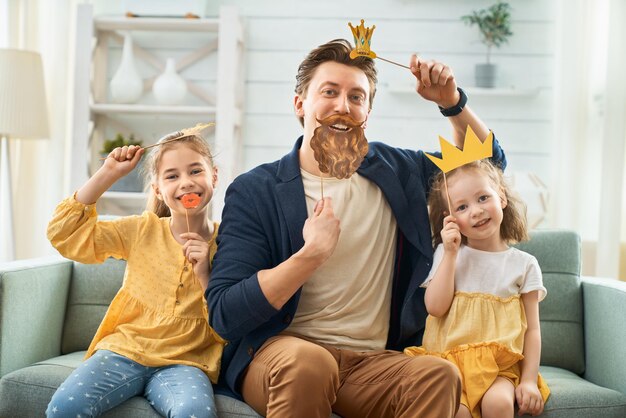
<point x="588" y="129"/>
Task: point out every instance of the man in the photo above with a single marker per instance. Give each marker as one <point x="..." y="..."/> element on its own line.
<point x="316" y="295"/>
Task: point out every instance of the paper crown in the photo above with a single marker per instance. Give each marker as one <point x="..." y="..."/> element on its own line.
<point x="183" y="133"/>
<point x="362" y="40"/>
<point x="195" y="130"/>
<point x="473" y="149"/>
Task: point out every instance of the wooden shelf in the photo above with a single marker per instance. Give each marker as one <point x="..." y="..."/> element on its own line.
<point x="109" y="108"/>
<point x="473" y="91"/>
<point x="158" y="24"/>
<point x="501" y="91"/>
<point x="128" y="196"/>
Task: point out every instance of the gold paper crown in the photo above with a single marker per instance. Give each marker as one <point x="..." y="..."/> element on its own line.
<point x="473" y="149"/>
<point x="362" y="41"/>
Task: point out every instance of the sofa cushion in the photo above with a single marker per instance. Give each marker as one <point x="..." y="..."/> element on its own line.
<point x="25" y="393"/>
<point x="92" y="289"/>
<point x="573" y="397"/>
<point x="561" y="312"/>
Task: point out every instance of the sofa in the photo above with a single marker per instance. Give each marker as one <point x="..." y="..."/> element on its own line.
<point x="51" y="307"/>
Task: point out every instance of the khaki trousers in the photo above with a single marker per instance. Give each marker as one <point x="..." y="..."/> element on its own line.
<point x="290" y="377"/>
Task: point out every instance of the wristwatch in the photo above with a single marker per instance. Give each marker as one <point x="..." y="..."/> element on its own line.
<point x="458" y="108"/>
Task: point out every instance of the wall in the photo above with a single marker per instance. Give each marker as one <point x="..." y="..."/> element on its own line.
<point x="279" y="33"/>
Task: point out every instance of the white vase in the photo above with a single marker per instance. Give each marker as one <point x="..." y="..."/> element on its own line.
<point x="169" y="88"/>
<point x="126" y="85"/>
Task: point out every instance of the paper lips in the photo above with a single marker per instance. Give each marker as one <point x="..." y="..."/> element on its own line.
<point x="191" y="200"/>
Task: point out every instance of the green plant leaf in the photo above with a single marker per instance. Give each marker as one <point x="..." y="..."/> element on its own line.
<point x="119" y="141"/>
<point x="494" y="24"/>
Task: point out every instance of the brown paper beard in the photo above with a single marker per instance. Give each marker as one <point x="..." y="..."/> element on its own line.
<point x="339" y="153"/>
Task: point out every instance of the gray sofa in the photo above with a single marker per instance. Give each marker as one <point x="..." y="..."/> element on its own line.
<point x="50" y="309"/>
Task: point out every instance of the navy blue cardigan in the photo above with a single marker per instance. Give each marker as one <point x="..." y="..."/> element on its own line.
<point x="261" y="227"/>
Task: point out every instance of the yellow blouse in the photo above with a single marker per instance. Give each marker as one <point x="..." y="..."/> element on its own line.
<point x="159" y="316"/>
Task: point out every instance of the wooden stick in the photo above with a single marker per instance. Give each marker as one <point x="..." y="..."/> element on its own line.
<point x="188" y="230"/>
<point x="445" y="183"/>
<point x="155" y="145"/>
<point x="393" y="62"/>
<point x="187" y="218"/>
<point x="164" y="142"/>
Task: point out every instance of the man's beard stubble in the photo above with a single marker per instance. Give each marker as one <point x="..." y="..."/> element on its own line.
<point x="339" y="153"/>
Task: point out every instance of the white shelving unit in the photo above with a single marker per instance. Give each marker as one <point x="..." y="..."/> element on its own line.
<point x="219" y="100"/>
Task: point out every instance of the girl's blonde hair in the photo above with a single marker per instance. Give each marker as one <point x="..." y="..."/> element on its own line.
<point x="513" y="228"/>
<point x="151" y="168"/>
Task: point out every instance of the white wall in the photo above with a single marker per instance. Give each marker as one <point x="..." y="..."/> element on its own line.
<point x="280" y="32"/>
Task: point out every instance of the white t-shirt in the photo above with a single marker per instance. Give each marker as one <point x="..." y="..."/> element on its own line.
<point x="346" y="302"/>
<point x="503" y="274"/>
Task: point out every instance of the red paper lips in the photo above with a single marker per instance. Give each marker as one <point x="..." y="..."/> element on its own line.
<point x="191" y="200"/>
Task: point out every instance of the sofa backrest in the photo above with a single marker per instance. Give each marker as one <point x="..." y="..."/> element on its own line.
<point x="92" y="289"/>
<point x="561" y="312"/>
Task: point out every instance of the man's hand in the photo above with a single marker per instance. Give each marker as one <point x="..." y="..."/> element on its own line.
<point x="435" y="81"/>
<point x="321" y="232"/>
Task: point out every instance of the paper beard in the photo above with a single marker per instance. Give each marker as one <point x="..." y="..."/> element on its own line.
<point x="339" y="145"/>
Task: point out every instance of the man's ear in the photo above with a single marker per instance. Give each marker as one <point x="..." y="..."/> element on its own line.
<point x="297" y="106"/>
<point x="214" y="178"/>
<point x="157" y="192"/>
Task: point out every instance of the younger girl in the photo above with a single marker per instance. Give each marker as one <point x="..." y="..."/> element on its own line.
<point x="155" y="340"/>
<point x="482" y="295"/>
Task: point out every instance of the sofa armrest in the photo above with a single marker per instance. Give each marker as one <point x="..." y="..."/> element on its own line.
<point x="605" y="332"/>
<point x="33" y="298"/>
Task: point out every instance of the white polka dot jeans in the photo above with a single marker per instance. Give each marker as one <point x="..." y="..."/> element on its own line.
<point x="107" y="379"/>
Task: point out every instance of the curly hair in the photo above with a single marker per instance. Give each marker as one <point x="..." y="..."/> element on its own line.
<point x="514" y="226"/>
<point x="151" y="168"/>
<point x="337" y="50"/>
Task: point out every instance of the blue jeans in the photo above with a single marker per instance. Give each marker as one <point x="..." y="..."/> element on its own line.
<point x="107" y="379"/>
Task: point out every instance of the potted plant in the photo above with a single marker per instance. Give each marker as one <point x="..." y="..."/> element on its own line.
<point x="132" y="182"/>
<point x="494" y="24"/>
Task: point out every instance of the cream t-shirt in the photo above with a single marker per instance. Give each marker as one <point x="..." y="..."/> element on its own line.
<point x="346" y="303"/>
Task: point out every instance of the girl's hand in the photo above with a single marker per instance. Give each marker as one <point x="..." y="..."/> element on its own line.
<point x="435" y="81"/>
<point x="450" y="234"/>
<point x="196" y="250"/>
<point x="529" y="399"/>
<point x="122" y="160"/>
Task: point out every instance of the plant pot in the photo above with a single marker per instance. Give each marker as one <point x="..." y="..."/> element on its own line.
<point x="486" y="75"/>
<point x="131" y="182"/>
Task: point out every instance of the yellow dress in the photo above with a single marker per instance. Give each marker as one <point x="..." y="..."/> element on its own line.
<point x="159" y="316"/>
<point x="483" y="335"/>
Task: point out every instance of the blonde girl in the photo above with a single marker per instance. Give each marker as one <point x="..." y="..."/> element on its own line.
<point x="482" y="296"/>
<point x="155" y="340"/>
